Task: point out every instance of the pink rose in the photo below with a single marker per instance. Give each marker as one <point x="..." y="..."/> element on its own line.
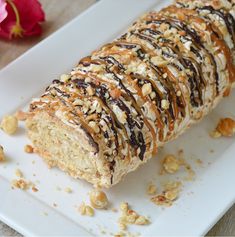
<point x="20" y="18"/>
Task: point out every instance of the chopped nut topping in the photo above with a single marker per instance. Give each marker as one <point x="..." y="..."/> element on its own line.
<point x="2" y="156"/>
<point x="21" y="116"/>
<point x="98" y="199"/>
<point x="178" y="93"/>
<point x="171" y="164"/>
<point x="9" y="124"/>
<point x="90" y="90"/>
<point x="146" y="89"/>
<point x="115" y="93"/>
<point x="64" y="77"/>
<point x="86" y="210"/>
<point x="152" y="189"/>
<point x="28" y="149"/>
<point x="94" y="126"/>
<point x="78" y="102"/>
<point x="225" y="127"/>
<point x="159" y="61"/>
<point x="165" y="104"/>
<point x="19" y="173"/>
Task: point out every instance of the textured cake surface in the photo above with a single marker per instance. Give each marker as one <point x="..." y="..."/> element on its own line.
<point x="118" y="105"/>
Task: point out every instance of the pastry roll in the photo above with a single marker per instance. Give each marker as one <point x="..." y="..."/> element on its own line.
<point x="120" y="104"/>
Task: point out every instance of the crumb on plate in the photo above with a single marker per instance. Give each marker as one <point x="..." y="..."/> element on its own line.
<point x="20" y="184"/>
<point x="68" y="190"/>
<point x="170" y="164"/>
<point x="28" y="149"/>
<point x="2" y="155"/>
<point x="9" y="124"/>
<point x="168" y="195"/>
<point x="151" y="189"/>
<point x="225" y="127"/>
<point x="98" y="199"/>
<point x="19" y="173"/>
<point x="129" y="216"/>
<point x="86" y="210"/>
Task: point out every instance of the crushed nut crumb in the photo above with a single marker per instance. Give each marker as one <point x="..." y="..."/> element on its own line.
<point x="225" y="127"/>
<point x="2" y="155"/>
<point x="129" y="216"/>
<point x="168" y="195"/>
<point x="21" y="116"/>
<point x="9" y="124"/>
<point x="86" y="210"/>
<point x="170" y="164"/>
<point x="19" y="173"/>
<point x="152" y="189"/>
<point x="20" y="184"/>
<point x="34" y="189"/>
<point x="28" y="149"/>
<point x="68" y="190"/>
<point x="98" y="199"/>
<point x="146" y="89"/>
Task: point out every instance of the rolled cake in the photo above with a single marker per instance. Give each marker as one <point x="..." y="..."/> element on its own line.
<point x="118" y="105"/>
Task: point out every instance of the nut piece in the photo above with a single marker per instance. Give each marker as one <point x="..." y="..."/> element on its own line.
<point x="64" y="77"/>
<point x="21" y="116"/>
<point x="94" y="126"/>
<point x="28" y="149"/>
<point x="165" y="104"/>
<point x="2" y="156"/>
<point x="9" y="124"/>
<point x="159" y="61"/>
<point x="115" y="93"/>
<point x="86" y="210"/>
<point x="172" y="194"/>
<point x="68" y="190"/>
<point x="21" y="184"/>
<point x="152" y="189"/>
<point x="129" y="216"/>
<point x="226" y="127"/>
<point x="146" y="89"/>
<point x="171" y="164"/>
<point x="98" y="199"/>
<point x="19" y="173"/>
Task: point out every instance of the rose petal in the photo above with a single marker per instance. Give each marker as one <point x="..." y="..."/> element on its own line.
<point x="3" y="11"/>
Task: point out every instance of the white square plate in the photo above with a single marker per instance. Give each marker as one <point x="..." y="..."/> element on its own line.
<point x="201" y="203"/>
